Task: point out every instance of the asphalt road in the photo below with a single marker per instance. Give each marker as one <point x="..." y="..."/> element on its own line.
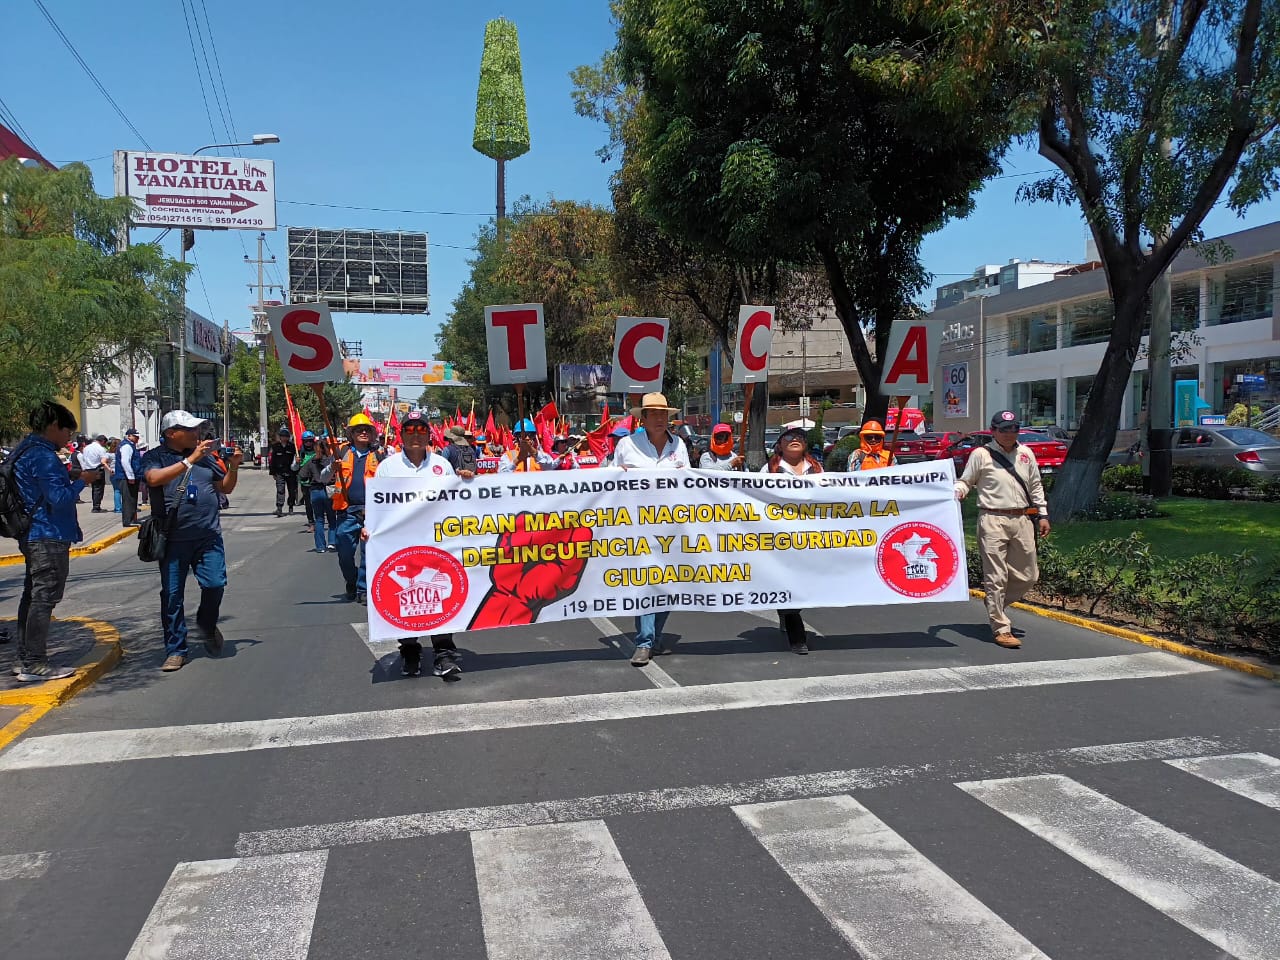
<point x="908" y="791"/>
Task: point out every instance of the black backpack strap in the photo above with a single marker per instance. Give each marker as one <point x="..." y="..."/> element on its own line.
<point x="998" y="457"/>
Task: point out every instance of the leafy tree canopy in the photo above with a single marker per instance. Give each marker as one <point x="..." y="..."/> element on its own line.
<point x="72" y="306"/>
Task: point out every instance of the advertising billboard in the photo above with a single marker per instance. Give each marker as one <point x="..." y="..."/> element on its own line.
<point x="359" y="271"/>
<point x="176" y="190"/>
<point x="955" y="390"/>
<point x="401" y="373"/>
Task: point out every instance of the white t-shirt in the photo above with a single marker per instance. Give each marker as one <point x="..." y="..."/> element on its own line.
<point x="507" y="463"/>
<point x="802" y="468"/>
<point x="91" y="456"/>
<point x="401" y="466"/>
<point x="637" y="451"/>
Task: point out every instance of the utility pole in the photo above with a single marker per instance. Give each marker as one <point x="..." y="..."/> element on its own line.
<point x="260" y="329"/>
<point x="1159" y="342"/>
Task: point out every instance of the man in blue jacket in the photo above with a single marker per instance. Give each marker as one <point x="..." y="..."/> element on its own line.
<point x="49" y="492"/>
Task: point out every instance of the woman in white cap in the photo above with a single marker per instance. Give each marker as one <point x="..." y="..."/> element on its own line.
<point x="791" y="455"/>
<point x="652" y="446"/>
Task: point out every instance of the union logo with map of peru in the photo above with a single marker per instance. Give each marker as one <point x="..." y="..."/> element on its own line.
<point x="917" y="559"/>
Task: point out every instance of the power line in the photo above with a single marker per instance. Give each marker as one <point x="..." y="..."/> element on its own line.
<point x="12" y="123"/>
<point x="199" y="76"/>
<point x="348" y="206"/>
<point x="217" y="97"/>
<point x="218" y="64"/>
<point x="96" y="82"/>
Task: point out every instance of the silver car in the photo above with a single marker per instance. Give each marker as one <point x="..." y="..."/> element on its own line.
<point x="1239" y="447"/>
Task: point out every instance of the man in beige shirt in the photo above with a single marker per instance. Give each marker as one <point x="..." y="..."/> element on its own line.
<point x="1011" y="505"/>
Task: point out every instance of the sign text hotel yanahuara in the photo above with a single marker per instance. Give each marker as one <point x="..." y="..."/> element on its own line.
<point x="174" y="190"/>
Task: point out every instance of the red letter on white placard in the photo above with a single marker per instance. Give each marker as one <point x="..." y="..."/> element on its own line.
<point x="517" y="339"/>
<point x="911" y="357"/>
<point x="639" y="354"/>
<point x="306" y="342"/>
<point x="751" y="346"/>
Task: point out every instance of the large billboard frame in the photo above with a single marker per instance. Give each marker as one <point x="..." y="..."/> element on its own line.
<point x="349" y="268"/>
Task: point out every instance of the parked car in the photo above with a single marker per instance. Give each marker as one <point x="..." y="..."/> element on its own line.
<point x="1228" y="447"/>
<point x="919" y="447"/>
<point x="1050" y="453"/>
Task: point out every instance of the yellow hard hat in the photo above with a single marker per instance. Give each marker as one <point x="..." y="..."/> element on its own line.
<point x="360" y="420"/>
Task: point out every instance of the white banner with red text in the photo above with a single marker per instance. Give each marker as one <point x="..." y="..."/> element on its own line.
<point x="446" y="554"/>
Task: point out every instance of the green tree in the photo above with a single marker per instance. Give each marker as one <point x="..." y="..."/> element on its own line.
<point x="73" y="307"/>
<point x="341" y="399"/>
<point x="788" y="132"/>
<point x="1151" y="110"/>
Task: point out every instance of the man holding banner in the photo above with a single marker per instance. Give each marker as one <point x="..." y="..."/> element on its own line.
<point x="652" y="446"/>
<point x="351" y="469"/>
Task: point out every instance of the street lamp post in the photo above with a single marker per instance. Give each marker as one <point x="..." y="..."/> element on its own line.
<point x="258" y="140"/>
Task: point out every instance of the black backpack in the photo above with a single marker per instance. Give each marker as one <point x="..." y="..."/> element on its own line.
<point x="15" y="521"/>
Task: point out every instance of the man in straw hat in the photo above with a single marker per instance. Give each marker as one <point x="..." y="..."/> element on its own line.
<point x="652" y="446"/>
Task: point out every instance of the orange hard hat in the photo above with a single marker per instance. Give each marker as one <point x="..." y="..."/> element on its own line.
<point x="872" y="427"/>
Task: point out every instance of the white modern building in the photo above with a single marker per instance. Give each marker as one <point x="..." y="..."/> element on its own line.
<point x="990" y="280"/>
<point x="1036" y="350"/>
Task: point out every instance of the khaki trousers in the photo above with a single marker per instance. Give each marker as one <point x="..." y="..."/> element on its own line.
<point x="1007" y="546"/>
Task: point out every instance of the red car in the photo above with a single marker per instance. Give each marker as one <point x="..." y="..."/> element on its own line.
<point x="917" y="448"/>
<point x="1049" y="453"/>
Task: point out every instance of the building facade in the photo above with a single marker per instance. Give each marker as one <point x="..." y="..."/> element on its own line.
<point x="1036" y="350"/>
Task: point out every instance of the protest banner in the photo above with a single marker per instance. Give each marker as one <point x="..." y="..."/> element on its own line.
<point x="447" y="554"/>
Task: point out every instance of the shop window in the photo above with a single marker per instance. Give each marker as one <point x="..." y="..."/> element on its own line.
<point x="1242" y="294"/>
<point x="1087" y="322"/>
<point x="1035" y="402"/>
<point x="1019" y="335"/>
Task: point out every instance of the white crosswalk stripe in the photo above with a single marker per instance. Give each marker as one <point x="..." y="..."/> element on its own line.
<point x="885" y="898"/>
<point x="560" y="892"/>
<point x="1229" y="905"/>
<point x="261" y="907"/>
<point x="1252" y="775"/>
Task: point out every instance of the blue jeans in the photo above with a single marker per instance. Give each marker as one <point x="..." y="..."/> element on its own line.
<point x="649" y="627"/>
<point x="208" y="560"/>
<point x="322" y="510"/>
<point x="115" y="485"/>
<point x="347" y="540"/>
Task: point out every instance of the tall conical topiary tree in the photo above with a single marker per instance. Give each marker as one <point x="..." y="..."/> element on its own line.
<point x="502" y="123"/>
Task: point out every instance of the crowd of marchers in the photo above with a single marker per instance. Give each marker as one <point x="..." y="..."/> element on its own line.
<point x="186" y="480"/>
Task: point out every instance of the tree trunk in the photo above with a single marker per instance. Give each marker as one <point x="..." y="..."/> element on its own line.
<point x="757" y="416"/>
<point x="1077" y="485"/>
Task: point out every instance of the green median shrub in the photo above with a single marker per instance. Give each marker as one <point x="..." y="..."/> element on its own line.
<point x="1204" y="483"/>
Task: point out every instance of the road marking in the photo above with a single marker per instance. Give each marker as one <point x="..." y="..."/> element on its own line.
<point x="619" y="640"/>
<point x="252" y="907"/>
<point x="23" y="866"/>
<point x="379" y="648"/>
<point x="561" y="891"/>
<point x="1229" y="905"/>
<point x="883" y="896"/>
<point x="206" y="739"/>
<point x="1252" y="775"/>
<point x="828" y="783"/>
<point x="772" y="617"/>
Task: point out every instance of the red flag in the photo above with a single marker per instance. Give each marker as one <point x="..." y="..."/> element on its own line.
<point x="393" y="428"/>
<point x="549" y="412"/>
<point x="437" y="436"/>
<point x="488" y="425"/>
<point x="295" y="421"/>
<point x="457" y="414"/>
<point x="604" y="416"/>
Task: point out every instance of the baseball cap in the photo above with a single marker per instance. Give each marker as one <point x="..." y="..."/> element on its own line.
<point x="1005" y="418"/>
<point x="131" y="432"/>
<point x="721" y="428"/>
<point x="180" y="418"/>
<point x="416" y="418"/>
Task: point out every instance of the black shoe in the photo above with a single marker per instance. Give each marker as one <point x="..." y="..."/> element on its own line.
<point x="411" y="660"/>
<point x="446" y="665"/>
<point x="97" y="510"/>
<point x="279" y="512"/>
<point x="291" y="510"/>
<point x="362" y="598"/>
<point x="351" y="591"/>
<point x="800" y="647"/>
<point x="213" y="642"/>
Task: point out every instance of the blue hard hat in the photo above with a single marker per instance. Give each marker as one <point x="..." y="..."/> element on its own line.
<point x="525" y="426"/>
<point x="620" y="432"/>
<point x="308" y="435"/>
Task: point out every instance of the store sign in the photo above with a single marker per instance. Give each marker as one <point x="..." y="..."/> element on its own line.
<point x="176" y="190"/>
<point x="955" y="391"/>
<point x="204" y="339"/>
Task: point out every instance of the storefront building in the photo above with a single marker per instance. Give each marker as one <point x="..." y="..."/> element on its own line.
<point x="1036" y="350"/>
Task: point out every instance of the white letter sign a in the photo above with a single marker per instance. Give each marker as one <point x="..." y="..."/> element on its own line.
<point x="517" y="340"/>
<point x="639" y="354"/>
<point x="306" y="342"/>
<point x="910" y="358"/>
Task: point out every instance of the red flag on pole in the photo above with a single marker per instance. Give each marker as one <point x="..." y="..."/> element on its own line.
<point x="295" y="421"/>
<point x="488" y="425"/>
<point x="393" y="428"/>
<point x="549" y="412"/>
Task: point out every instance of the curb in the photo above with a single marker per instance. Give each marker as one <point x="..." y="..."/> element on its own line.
<point x="10" y="559"/>
<point x="1171" y="646"/>
<point x="41" y="698"/>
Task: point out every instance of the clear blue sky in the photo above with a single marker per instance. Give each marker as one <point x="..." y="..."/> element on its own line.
<point x="375" y="105"/>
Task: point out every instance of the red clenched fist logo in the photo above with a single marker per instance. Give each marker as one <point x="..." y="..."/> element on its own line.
<point x="521" y="590"/>
<point x="917" y="559"/>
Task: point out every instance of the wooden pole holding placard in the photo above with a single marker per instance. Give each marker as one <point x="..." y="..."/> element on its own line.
<point x="748" y="390"/>
<point x="524" y="461"/>
<point x="318" y="389"/>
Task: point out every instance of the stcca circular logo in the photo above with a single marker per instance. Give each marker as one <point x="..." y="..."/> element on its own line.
<point x="917" y="559"/>
<point x="419" y="588"/>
